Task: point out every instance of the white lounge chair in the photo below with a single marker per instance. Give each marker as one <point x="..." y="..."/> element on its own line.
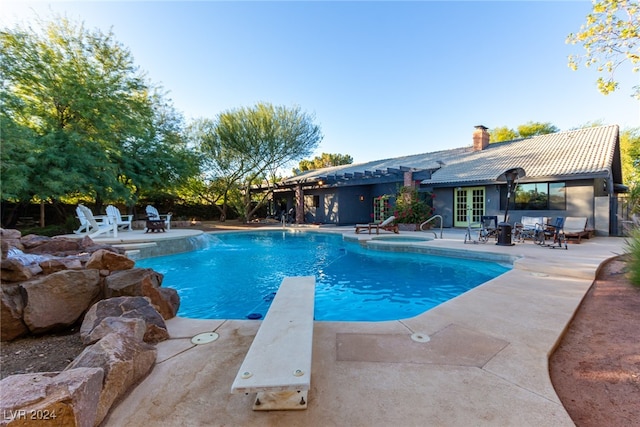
<point x="122" y="221"/>
<point x="575" y="226"/>
<point x="95" y="226"/>
<point x="152" y="214"/>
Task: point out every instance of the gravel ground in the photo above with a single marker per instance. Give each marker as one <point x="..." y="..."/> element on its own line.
<point x="596" y="368"/>
<point x="47" y="353"/>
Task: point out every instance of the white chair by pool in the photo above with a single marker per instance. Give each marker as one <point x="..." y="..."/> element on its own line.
<point x="123" y="222"/>
<point x="94" y="226"/>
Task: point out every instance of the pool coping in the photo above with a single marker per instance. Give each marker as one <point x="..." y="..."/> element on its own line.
<point x="138" y="244"/>
<point x="528" y="309"/>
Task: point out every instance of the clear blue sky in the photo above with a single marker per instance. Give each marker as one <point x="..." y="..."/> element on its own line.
<point x="383" y="79"/>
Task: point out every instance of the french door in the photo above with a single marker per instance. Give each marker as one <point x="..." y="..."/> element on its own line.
<point x="468" y="205"/>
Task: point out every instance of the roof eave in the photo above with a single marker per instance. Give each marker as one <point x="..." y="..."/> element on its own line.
<point x="563" y="177"/>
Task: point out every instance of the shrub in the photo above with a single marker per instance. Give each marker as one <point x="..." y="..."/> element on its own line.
<point x="412" y="207"/>
<point x="634" y="256"/>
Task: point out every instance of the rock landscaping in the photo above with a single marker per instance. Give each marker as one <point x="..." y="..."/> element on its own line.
<point x="53" y="284"/>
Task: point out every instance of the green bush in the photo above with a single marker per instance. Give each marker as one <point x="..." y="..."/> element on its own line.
<point x="71" y="223"/>
<point x="49" y="231"/>
<point x="634" y="256"/>
<point x="412" y="207"/>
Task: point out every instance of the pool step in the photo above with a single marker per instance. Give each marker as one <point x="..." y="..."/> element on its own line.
<point x="132" y="250"/>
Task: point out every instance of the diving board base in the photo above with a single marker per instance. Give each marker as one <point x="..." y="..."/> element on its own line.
<point x="280" y="401"/>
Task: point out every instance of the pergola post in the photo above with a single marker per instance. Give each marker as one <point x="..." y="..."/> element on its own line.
<point x="299" y="204"/>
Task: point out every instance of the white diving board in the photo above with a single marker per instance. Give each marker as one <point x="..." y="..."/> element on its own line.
<point x="278" y="364"/>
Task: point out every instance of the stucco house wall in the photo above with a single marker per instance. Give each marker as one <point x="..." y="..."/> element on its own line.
<point x="443" y="205"/>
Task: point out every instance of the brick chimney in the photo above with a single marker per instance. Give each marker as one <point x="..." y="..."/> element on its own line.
<point x="480" y="138"/>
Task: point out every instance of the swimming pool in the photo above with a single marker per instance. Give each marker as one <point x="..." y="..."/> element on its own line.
<point x="238" y="274"/>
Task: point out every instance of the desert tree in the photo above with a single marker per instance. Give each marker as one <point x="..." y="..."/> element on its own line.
<point x="260" y="141"/>
<point x="611" y="38"/>
<point x="530" y="129"/>
<point x="81" y="114"/>
<point x="323" y="161"/>
<point x="222" y="169"/>
<point x="526" y="130"/>
<point x="502" y="133"/>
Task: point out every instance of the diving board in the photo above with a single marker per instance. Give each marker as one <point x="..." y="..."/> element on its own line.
<point x="278" y="364"/>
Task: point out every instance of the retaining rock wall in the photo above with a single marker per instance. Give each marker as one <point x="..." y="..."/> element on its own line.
<point x="49" y="284"/>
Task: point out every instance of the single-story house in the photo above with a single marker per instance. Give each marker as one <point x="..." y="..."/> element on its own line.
<point x="572" y="173"/>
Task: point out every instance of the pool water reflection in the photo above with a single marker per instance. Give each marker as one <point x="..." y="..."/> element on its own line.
<point x="238" y="274"/>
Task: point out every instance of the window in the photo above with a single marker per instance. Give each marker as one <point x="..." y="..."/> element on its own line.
<point x="557" y="196"/>
<point x="536" y="196"/>
<point x="312" y="201"/>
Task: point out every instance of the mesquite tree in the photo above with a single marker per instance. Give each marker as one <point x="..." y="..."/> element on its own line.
<point x="248" y="146"/>
<point x="80" y="120"/>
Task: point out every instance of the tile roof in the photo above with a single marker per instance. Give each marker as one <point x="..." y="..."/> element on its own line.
<point x="571" y="154"/>
<point x="568" y="155"/>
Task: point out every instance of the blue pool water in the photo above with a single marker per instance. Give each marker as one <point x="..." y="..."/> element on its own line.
<point x="239" y="273"/>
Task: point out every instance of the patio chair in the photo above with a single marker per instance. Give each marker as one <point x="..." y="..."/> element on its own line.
<point x="95" y="226"/>
<point x="387" y="225"/>
<point x="84" y="223"/>
<point x="153" y="215"/>
<point x="530" y="227"/>
<point x="555" y="231"/>
<point x="575" y="227"/>
<point x="488" y="228"/>
<point x="123" y="222"/>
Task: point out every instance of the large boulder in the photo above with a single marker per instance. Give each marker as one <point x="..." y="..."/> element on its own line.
<point x="5" y="246"/>
<point x="68" y="398"/>
<point x="125" y="361"/>
<point x="58" y="264"/>
<point x="10" y="239"/>
<point x="143" y="282"/>
<point x="172" y="298"/>
<point x="59" y="299"/>
<point x="126" y="307"/>
<point x="14" y="270"/>
<point x="88" y="245"/>
<point x="57" y="246"/>
<point x="11" y="308"/>
<point x="10" y="234"/>
<point x="31" y="241"/>
<point x="122" y="325"/>
<point x="106" y="260"/>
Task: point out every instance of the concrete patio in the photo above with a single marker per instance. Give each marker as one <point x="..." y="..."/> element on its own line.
<point x="485" y="361"/>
